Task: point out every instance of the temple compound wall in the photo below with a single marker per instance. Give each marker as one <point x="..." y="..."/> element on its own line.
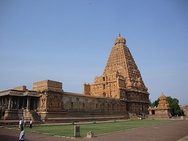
<point x="50" y="103"/>
<point x="62" y="105"/>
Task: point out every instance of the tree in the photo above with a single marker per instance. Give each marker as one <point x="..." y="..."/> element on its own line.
<point x="155" y="103"/>
<point x="174" y="106"/>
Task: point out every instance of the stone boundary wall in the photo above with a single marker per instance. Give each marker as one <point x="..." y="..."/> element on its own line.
<point x="68" y="107"/>
<point x="77" y="104"/>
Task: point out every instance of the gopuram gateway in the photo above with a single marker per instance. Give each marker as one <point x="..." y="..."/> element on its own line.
<point x="117" y="94"/>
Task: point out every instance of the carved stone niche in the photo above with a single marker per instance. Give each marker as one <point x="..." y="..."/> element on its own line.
<point x="54" y="102"/>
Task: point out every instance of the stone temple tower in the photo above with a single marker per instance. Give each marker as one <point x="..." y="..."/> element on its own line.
<point x="121" y="79"/>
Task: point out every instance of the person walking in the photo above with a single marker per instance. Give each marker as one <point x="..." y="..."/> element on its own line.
<point x="22" y="134"/>
<point x="25" y="122"/>
<point x="20" y="122"/>
<point x="30" y="123"/>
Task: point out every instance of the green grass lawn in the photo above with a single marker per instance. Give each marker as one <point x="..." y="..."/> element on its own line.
<point x="97" y="128"/>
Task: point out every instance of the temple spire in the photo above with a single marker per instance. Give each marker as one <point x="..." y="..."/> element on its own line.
<point x="121" y="60"/>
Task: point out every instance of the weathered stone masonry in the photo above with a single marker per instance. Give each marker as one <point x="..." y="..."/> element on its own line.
<point x="121" y="79"/>
<point x="119" y="91"/>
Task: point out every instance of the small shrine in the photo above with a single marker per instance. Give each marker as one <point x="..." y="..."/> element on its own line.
<point x="162" y="110"/>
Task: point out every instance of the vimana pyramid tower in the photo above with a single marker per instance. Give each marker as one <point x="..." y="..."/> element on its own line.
<point x="121" y="80"/>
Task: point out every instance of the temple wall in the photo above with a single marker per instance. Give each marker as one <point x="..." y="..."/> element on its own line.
<point x="87" y="90"/>
<point x="54" y="103"/>
<point x="89" y="105"/>
<point x="105" y="86"/>
<point x="59" y="105"/>
<point x="185" y="110"/>
<point x="159" y="113"/>
<point x="162" y="113"/>
<point x="137" y="96"/>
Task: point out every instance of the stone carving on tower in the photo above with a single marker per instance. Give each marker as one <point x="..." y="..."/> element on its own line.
<point x="163" y="103"/>
<point x="121" y="79"/>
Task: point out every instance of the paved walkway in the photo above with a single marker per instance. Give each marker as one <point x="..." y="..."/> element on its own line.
<point x="165" y="132"/>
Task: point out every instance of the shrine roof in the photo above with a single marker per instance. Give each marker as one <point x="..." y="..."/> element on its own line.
<point x="120" y="39"/>
<point x="21" y="93"/>
<point x="162" y="96"/>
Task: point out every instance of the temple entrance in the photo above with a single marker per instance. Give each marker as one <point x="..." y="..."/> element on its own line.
<point x="153" y="112"/>
<point x="32" y="104"/>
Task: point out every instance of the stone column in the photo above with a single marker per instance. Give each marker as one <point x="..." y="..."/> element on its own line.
<point x="1" y="101"/>
<point x="9" y="102"/>
<point x="28" y="103"/>
<point x="34" y="104"/>
<point x="23" y="103"/>
<point x="18" y="103"/>
<point x="150" y="112"/>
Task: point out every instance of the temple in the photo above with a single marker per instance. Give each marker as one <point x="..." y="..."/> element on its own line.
<point x="162" y="110"/>
<point x="117" y="93"/>
<point x="121" y="79"/>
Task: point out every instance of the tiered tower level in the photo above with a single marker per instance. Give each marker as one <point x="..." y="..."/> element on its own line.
<point x="121" y="79"/>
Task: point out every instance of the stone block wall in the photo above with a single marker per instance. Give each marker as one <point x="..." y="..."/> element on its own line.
<point x="20" y="88"/>
<point x="66" y="106"/>
<point x="76" y="104"/>
<point x="87" y="89"/>
<point x="47" y="85"/>
<point x="185" y="110"/>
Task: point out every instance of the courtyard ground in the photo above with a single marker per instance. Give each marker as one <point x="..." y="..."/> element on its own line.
<point x="172" y="131"/>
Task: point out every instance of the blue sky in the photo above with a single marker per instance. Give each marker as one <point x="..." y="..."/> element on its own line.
<point x="70" y="41"/>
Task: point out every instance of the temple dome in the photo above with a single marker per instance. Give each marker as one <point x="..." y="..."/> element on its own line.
<point x="120" y="40"/>
<point x="162" y="97"/>
<point x="163" y="103"/>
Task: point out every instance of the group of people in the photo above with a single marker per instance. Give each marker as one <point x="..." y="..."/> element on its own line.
<point x="22" y="124"/>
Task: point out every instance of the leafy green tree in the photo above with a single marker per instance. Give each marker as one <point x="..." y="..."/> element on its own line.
<point x="155" y="103"/>
<point x="174" y="106"/>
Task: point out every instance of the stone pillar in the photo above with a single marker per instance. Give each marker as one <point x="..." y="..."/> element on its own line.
<point x="9" y="102"/>
<point x="37" y="104"/>
<point x="1" y="101"/>
<point x="34" y="104"/>
<point x="23" y="104"/>
<point x="28" y="103"/>
<point x="150" y="112"/>
<point x="18" y="103"/>
<point x="77" y="131"/>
